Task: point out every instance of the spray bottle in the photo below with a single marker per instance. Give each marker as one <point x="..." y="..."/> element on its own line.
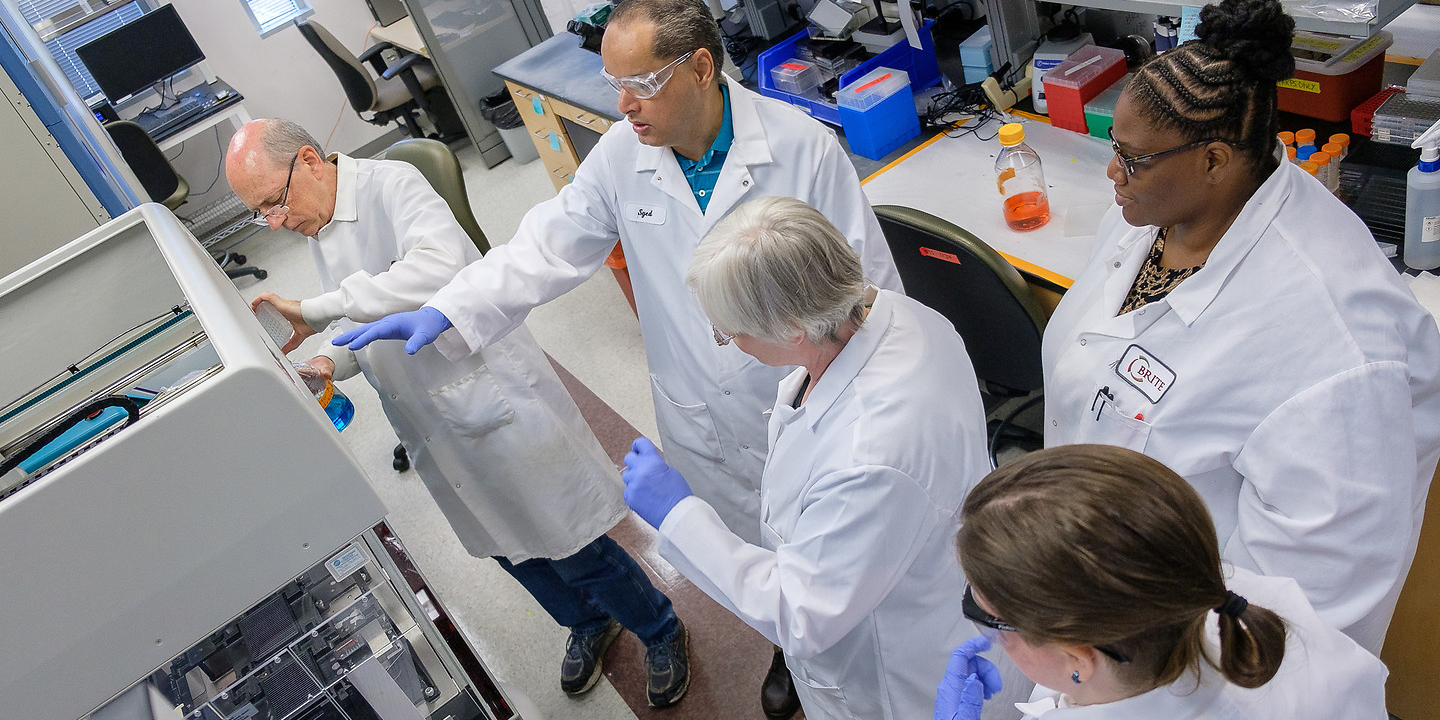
<point x="1422" y="204"/>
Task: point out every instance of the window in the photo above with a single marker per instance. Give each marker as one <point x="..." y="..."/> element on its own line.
<point x="272" y="15"/>
<point x="64" y="25"/>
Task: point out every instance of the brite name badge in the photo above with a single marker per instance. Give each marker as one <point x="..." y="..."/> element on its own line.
<point x="648" y="214"/>
<point x="1145" y="372"/>
<point x="345" y="562"/>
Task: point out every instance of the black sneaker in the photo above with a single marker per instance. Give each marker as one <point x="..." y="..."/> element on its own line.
<point x="583" y="653"/>
<point x="669" y="665"/>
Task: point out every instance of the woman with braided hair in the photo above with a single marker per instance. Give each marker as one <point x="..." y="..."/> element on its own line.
<point x="1239" y="324"/>
<point x="1097" y="570"/>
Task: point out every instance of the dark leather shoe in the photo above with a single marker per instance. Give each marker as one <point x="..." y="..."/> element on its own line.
<point x="583" y="654"/>
<point x="668" y="670"/>
<point x="777" y="696"/>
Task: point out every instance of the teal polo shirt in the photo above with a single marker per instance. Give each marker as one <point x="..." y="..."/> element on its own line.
<point x="702" y="173"/>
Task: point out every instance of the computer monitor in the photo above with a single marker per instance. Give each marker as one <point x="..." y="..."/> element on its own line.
<point x="140" y="53"/>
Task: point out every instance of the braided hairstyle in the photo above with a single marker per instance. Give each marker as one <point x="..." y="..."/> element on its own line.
<point x="1222" y="85"/>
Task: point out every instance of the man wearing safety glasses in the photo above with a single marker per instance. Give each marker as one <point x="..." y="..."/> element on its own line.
<point x="695" y="147"/>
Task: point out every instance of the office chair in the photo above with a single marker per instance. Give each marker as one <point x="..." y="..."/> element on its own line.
<point x="400" y="91"/>
<point x="982" y="294"/>
<point x="442" y="170"/>
<point x="160" y="181"/>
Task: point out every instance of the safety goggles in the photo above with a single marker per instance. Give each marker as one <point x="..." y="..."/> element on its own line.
<point x="990" y="626"/>
<point x="644" y="87"/>
<point x="1131" y="163"/>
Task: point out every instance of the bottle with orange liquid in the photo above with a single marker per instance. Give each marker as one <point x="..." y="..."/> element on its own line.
<point x="1021" y="181"/>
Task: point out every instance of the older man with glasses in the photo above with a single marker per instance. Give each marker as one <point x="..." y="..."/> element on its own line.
<point x="496" y="438"/>
<point x="695" y="146"/>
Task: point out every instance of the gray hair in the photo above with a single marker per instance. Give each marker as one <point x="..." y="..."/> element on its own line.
<point x="775" y="269"/>
<point x="680" y="26"/>
<point x="281" y="140"/>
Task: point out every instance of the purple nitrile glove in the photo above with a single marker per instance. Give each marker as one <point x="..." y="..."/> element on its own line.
<point x="417" y="328"/>
<point x="652" y="488"/>
<point x="969" y="681"/>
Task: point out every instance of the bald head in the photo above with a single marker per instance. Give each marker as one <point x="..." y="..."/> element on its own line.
<point x="272" y="162"/>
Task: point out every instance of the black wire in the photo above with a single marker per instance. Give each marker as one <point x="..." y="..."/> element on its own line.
<point x="219" y="166"/>
<point x="964" y="100"/>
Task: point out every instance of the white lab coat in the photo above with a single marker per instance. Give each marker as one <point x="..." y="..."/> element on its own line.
<point x="709" y="400"/>
<point x="496" y="437"/>
<point x="1294" y="381"/>
<point x="857" y="578"/>
<point x="1324" y="674"/>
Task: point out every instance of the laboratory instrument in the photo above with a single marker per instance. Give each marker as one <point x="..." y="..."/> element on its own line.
<point x="216" y="552"/>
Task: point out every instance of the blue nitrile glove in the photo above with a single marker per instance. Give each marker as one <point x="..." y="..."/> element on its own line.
<point x="417" y="328"/>
<point x="969" y="681"/>
<point x="652" y="488"/>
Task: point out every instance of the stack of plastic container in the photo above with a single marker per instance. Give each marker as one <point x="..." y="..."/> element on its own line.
<point x="1402" y="117"/>
<point x="1100" y="111"/>
<point x="975" y="55"/>
<point x="1085" y="74"/>
<point x="878" y="112"/>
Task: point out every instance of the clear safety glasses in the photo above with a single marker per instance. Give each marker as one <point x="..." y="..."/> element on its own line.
<point x="721" y="338"/>
<point x="644" y="87"/>
<point x="991" y="626"/>
<point x="280" y="209"/>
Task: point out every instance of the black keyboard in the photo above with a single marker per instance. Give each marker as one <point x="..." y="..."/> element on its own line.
<point x="167" y="118"/>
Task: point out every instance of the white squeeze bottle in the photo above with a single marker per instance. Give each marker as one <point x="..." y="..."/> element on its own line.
<point x="1422" y="204"/>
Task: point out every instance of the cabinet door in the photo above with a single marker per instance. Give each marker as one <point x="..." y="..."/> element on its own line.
<point x="42" y="209"/>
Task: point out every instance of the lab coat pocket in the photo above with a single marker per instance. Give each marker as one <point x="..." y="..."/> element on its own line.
<point x="689" y="426"/>
<point x="820" y="700"/>
<point x="1108" y="424"/>
<point x="473" y="405"/>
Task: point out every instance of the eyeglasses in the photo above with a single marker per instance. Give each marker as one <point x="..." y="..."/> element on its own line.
<point x="280" y="209"/>
<point x="990" y="626"/>
<point x="644" y="87"/>
<point x="1131" y="163"/>
<point x="721" y="339"/>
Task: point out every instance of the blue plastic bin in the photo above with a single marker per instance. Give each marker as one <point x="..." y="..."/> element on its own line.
<point x="920" y="64"/>
<point x="881" y="126"/>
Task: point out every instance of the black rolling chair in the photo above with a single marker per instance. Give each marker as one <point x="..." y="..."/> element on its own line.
<point x="160" y="181"/>
<point x="953" y="272"/>
<point x="402" y="89"/>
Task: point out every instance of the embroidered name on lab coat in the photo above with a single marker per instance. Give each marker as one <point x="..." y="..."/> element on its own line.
<point x="648" y="214"/>
<point x="1145" y="372"/>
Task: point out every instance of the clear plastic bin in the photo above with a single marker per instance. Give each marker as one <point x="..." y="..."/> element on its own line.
<point x="796" y="76"/>
<point x="872" y="87"/>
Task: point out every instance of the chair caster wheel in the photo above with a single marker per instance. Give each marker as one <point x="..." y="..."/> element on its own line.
<point x="260" y="274"/>
<point x="399" y="451"/>
<point x="237" y="258"/>
<point x="401" y="464"/>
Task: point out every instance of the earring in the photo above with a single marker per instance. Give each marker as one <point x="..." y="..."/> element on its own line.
<point x="1075" y="677"/>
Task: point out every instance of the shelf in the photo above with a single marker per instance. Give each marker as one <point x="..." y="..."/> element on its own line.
<point x="1388" y="10"/>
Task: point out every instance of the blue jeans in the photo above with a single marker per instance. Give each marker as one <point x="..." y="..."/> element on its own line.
<point x="601" y="581"/>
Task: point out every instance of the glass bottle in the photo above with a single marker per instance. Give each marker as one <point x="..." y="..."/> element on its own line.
<point x="1021" y="181"/>
<point x="338" y="408"/>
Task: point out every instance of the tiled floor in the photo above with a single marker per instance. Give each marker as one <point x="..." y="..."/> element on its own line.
<point x="591" y="334"/>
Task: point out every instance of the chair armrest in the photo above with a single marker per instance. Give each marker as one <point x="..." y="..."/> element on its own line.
<point x="406" y="64"/>
<point x="372" y="55"/>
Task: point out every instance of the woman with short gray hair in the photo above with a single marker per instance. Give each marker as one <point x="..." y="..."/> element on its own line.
<point x="876" y="437"/>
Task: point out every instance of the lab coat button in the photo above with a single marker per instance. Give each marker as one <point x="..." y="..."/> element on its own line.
<point x="393" y="396"/>
<point x="1054" y="423"/>
<point x="1142" y="311"/>
<point x="745" y="183"/>
<point x="744" y="447"/>
<point x="727" y="392"/>
<point x="427" y="439"/>
<point x="457" y="486"/>
<point x="1082" y="342"/>
<point x="1117" y="264"/>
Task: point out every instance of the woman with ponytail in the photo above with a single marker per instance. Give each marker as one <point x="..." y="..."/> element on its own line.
<point x="1239" y="324"/>
<point x="1097" y="570"/>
